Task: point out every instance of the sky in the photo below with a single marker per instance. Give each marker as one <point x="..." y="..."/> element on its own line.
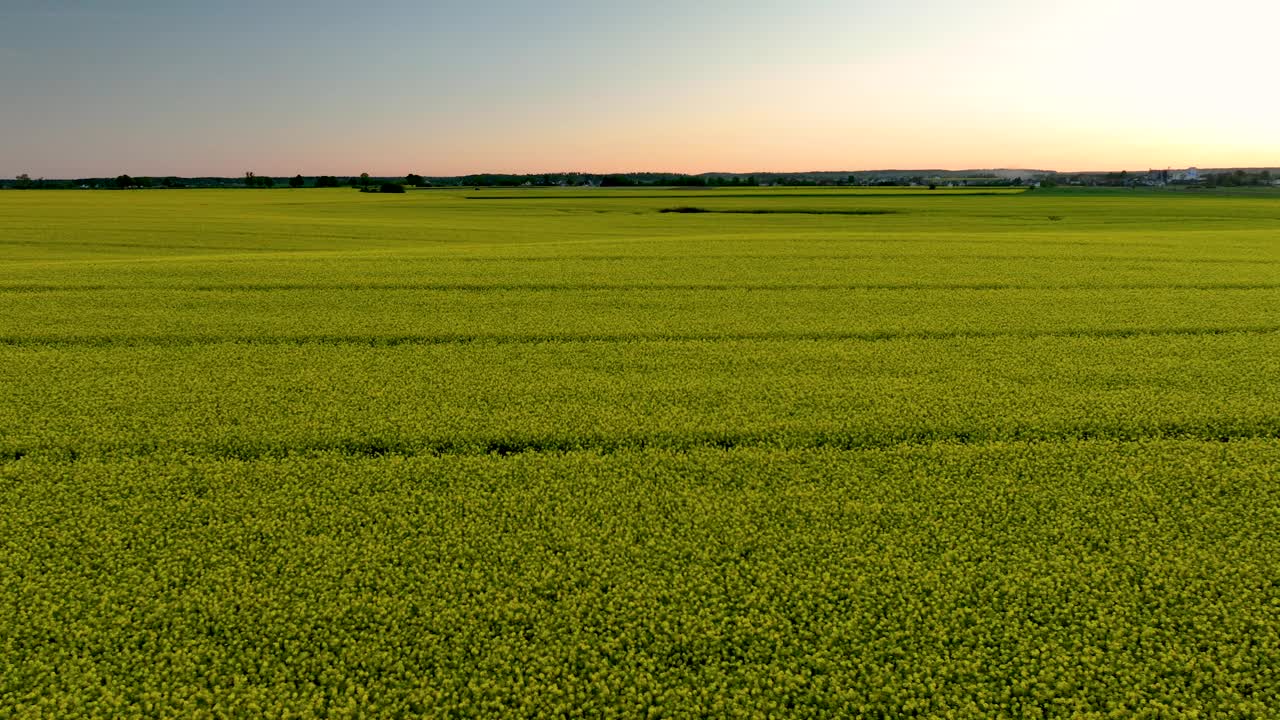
<point x="437" y="87"/>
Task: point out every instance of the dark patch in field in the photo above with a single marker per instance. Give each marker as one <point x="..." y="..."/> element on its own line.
<point x="618" y="337"/>
<point x="517" y="446"/>
<point x="711" y="193"/>
<point x="685" y="209"/>
<point x="722" y="440"/>
<point x="372" y="448"/>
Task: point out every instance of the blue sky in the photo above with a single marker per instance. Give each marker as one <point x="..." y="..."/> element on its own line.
<point x="193" y="88"/>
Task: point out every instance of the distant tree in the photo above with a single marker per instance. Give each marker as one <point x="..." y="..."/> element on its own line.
<point x="413" y="179"/>
<point x="296" y="181"/>
<point x="391" y="188"/>
<point x="267" y="181"/>
<point x="23" y="182"/>
<point x="353" y="181"/>
<point x="364" y="180"/>
<point x="124" y="181"/>
<point x="688" y="181"/>
<point x="933" y="186"/>
<point x="145" y="182"/>
<point x="1231" y="179"/>
<point x="326" y="181"/>
<point x="249" y="179"/>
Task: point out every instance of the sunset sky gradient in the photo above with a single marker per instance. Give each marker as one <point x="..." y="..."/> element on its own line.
<point x="152" y="87"/>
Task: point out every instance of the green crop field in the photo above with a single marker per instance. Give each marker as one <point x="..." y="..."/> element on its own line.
<point x="803" y="453"/>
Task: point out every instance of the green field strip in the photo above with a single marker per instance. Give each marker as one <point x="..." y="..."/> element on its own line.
<point x="1090" y="577"/>
<point x="784" y="252"/>
<point x="165" y="246"/>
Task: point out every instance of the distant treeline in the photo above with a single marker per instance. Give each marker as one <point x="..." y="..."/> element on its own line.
<point x="1240" y="178"/>
<point x="1254" y="177"/>
<point x="714" y="180"/>
<point x="128" y="182"/>
<point x="369" y="183"/>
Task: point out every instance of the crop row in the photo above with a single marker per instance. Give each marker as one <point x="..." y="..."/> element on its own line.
<point x="766" y="258"/>
<point x="238" y="400"/>
<point x="136" y="315"/>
